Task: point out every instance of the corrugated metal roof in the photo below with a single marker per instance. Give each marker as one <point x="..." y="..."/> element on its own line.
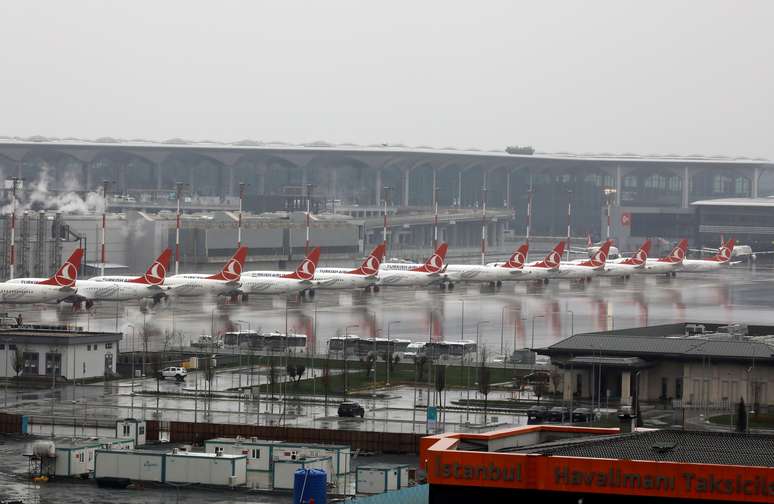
<point x="697" y="447"/>
<point x="653" y="345"/>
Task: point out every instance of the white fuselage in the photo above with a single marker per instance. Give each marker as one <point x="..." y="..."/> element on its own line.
<point x="618" y="269"/>
<point x="341" y="278"/>
<point x="576" y="271"/>
<point x="701" y="265"/>
<point x="273" y="282"/>
<point x="479" y="273"/>
<point x="117" y="288"/>
<point x="655" y="267"/>
<point x="28" y="291"/>
<point x="400" y="275"/>
<point x="197" y="284"/>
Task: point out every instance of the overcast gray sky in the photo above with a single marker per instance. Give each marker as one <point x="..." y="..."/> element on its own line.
<point x="607" y="76"/>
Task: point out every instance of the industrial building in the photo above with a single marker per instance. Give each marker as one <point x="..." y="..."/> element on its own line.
<point x="573" y="464"/>
<point x="650" y="195"/>
<point x="54" y="351"/>
<point x="686" y="365"/>
<point x="749" y="220"/>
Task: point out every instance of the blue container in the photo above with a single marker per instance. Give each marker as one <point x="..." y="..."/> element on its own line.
<point x="310" y="484"/>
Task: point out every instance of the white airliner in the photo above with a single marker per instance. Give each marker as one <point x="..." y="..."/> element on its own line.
<point x="413" y="275"/>
<point x="492" y="273"/>
<point x="720" y="260"/>
<point x="44" y="290"/>
<point x="667" y="265"/>
<point x="284" y="282"/>
<point x="363" y="277"/>
<point x="626" y="266"/>
<point x="125" y="288"/>
<point x="224" y="283"/>
<point x="585" y="269"/>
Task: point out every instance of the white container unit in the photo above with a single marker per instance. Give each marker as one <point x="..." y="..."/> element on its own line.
<point x="283" y="476"/>
<point x="206" y="468"/>
<point x="380" y="478"/>
<point x="258" y="453"/>
<point x="75" y="457"/>
<point x="135" y="465"/>
<point x="131" y="428"/>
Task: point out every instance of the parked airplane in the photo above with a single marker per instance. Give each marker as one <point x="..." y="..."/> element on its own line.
<point x="720" y="260"/>
<point x="627" y="266"/>
<point x="44" y="290"/>
<point x="585" y="269"/>
<point x="537" y="270"/>
<point x="285" y="282"/>
<point x="224" y="283"/>
<point x="365" y="276"/>
<point x="669" y="264"/>
<point x="124" y="288"/>
<point x="413" y="275"/>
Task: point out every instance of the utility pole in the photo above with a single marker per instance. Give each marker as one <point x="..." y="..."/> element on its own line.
<point x="15" y="183"/>
<point x="103" y="257"/>
<point x="241" y="198"/>
<point x="179" y="186"/>
<point x="569" y="222"/>
<point x="435" y="211"/>
<point x="386" y="194"/>
<point x="483" y="223"/>
<point x="309" y="189"/>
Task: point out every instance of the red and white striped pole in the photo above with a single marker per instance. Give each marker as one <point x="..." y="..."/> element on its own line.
<point x="529" y="212"/>
<point x="387" y="190"/>
<point x="14" y="181"/>
<point x="569" y="222"/>
<point x="309" y="188"/>
<point x="435" y="212"/>
<point x="179" y="187"/>
<point x="103" y="256"/>
<point x="239" y="225"/>
<point x="483" y="224"/>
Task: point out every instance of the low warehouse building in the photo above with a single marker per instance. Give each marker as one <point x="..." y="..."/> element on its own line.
<point x="570" y="464"/>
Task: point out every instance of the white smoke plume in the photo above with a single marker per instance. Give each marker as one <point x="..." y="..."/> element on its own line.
<point x="38" y="196"/>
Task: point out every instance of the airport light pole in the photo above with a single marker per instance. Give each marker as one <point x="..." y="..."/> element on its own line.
<point x="103" y="257"/>
<point x="179" y="187"/>
<point x="15" y="183"/>
<point x="483" y="222"/>
<point x="309" y="189"/>
<point x="346" y="335"/>
<point x="609" y="197"/>
<point x="530" y="194"/>
<point x="436" y="189"/>
<point x="389" y="353"/>
<point x="386" y="197"/>
<point x="239" y="349"/>
<point x="502" y="329"/>
<point x="133" y="372"/>
<point x="241" y="201"/>
<point x="532" y="345"/>
<point x="569" y="222"/>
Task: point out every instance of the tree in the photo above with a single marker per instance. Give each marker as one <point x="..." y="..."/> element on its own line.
<point x="539" y="388"/>
<point x="741" y="416"/>
<point x="18" y="362"/>
<point x="369" y="363"/>
<point x="440" y="385"/>
<point x="484" y="380"/>
<point x="421" y="363"/>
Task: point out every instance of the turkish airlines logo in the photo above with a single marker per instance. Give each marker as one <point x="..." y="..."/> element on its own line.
<point x="678" y="254"/>
<point x="517" y="260"/>
<point x="435" y="263"/>
<point x="553" y="259"/>
<point x="156" y="274"/>
<point x="232" y="271"/>
<point x="599" y="258"/>
<point x="306" y="270"/>
<point x="66" y="275"/>
<point x="724" y="253"/>
<point x="371" y="265"/>
<point x="640" y="257"/>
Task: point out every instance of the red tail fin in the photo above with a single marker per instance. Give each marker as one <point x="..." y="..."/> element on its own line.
<point x="307" y="267"/>
<point x="435" y="262"/>
<point x="67" y="274"/>
<point x="639" y="257"/>
<point x="553" y="259"/>
<point x="232" y="271"/>
<point x="157" y="271"/>
<point x="370" y="266"/>
<point x="725" y="251"/>
<point x="518" y="258"/>
<point x="677" y="254"/>
<point x="600" y="256"/>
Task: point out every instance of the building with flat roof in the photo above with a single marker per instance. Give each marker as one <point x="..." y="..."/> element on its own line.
<point x="574" y="464"/>
<point x="56" y="351"/>
<point x="706" y="365"/>
<point x="749" y="220"/>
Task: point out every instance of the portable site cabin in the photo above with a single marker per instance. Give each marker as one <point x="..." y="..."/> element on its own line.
<point x="262" y="457"/>
<point x="380" y="478"/>
<point x="131" y="428"/>
<point x="283" y="475"/>
<point x="174" y="467"/>
<point x="75" y="457"/>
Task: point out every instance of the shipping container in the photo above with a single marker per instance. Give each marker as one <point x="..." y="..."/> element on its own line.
<point x="380" y="478"/>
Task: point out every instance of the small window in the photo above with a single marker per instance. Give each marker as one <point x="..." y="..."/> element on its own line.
<point x="255" y="453"/>
<point x="108" y="346"/>
<point x="126" y="430"/>
<point x="88" y="348"/>
<point x="11" y="347"/>
<point x="2" y="346"/>
<point x="218" y="449"/>
<point x="141" y="430"/>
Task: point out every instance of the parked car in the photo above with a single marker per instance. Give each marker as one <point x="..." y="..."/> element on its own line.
<point x="581" y="415"/>
<point x="178" y="373"/>
<point x="351" y="409"/>
<point x="536" y="414"/>
<point x="559" y="414"/>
